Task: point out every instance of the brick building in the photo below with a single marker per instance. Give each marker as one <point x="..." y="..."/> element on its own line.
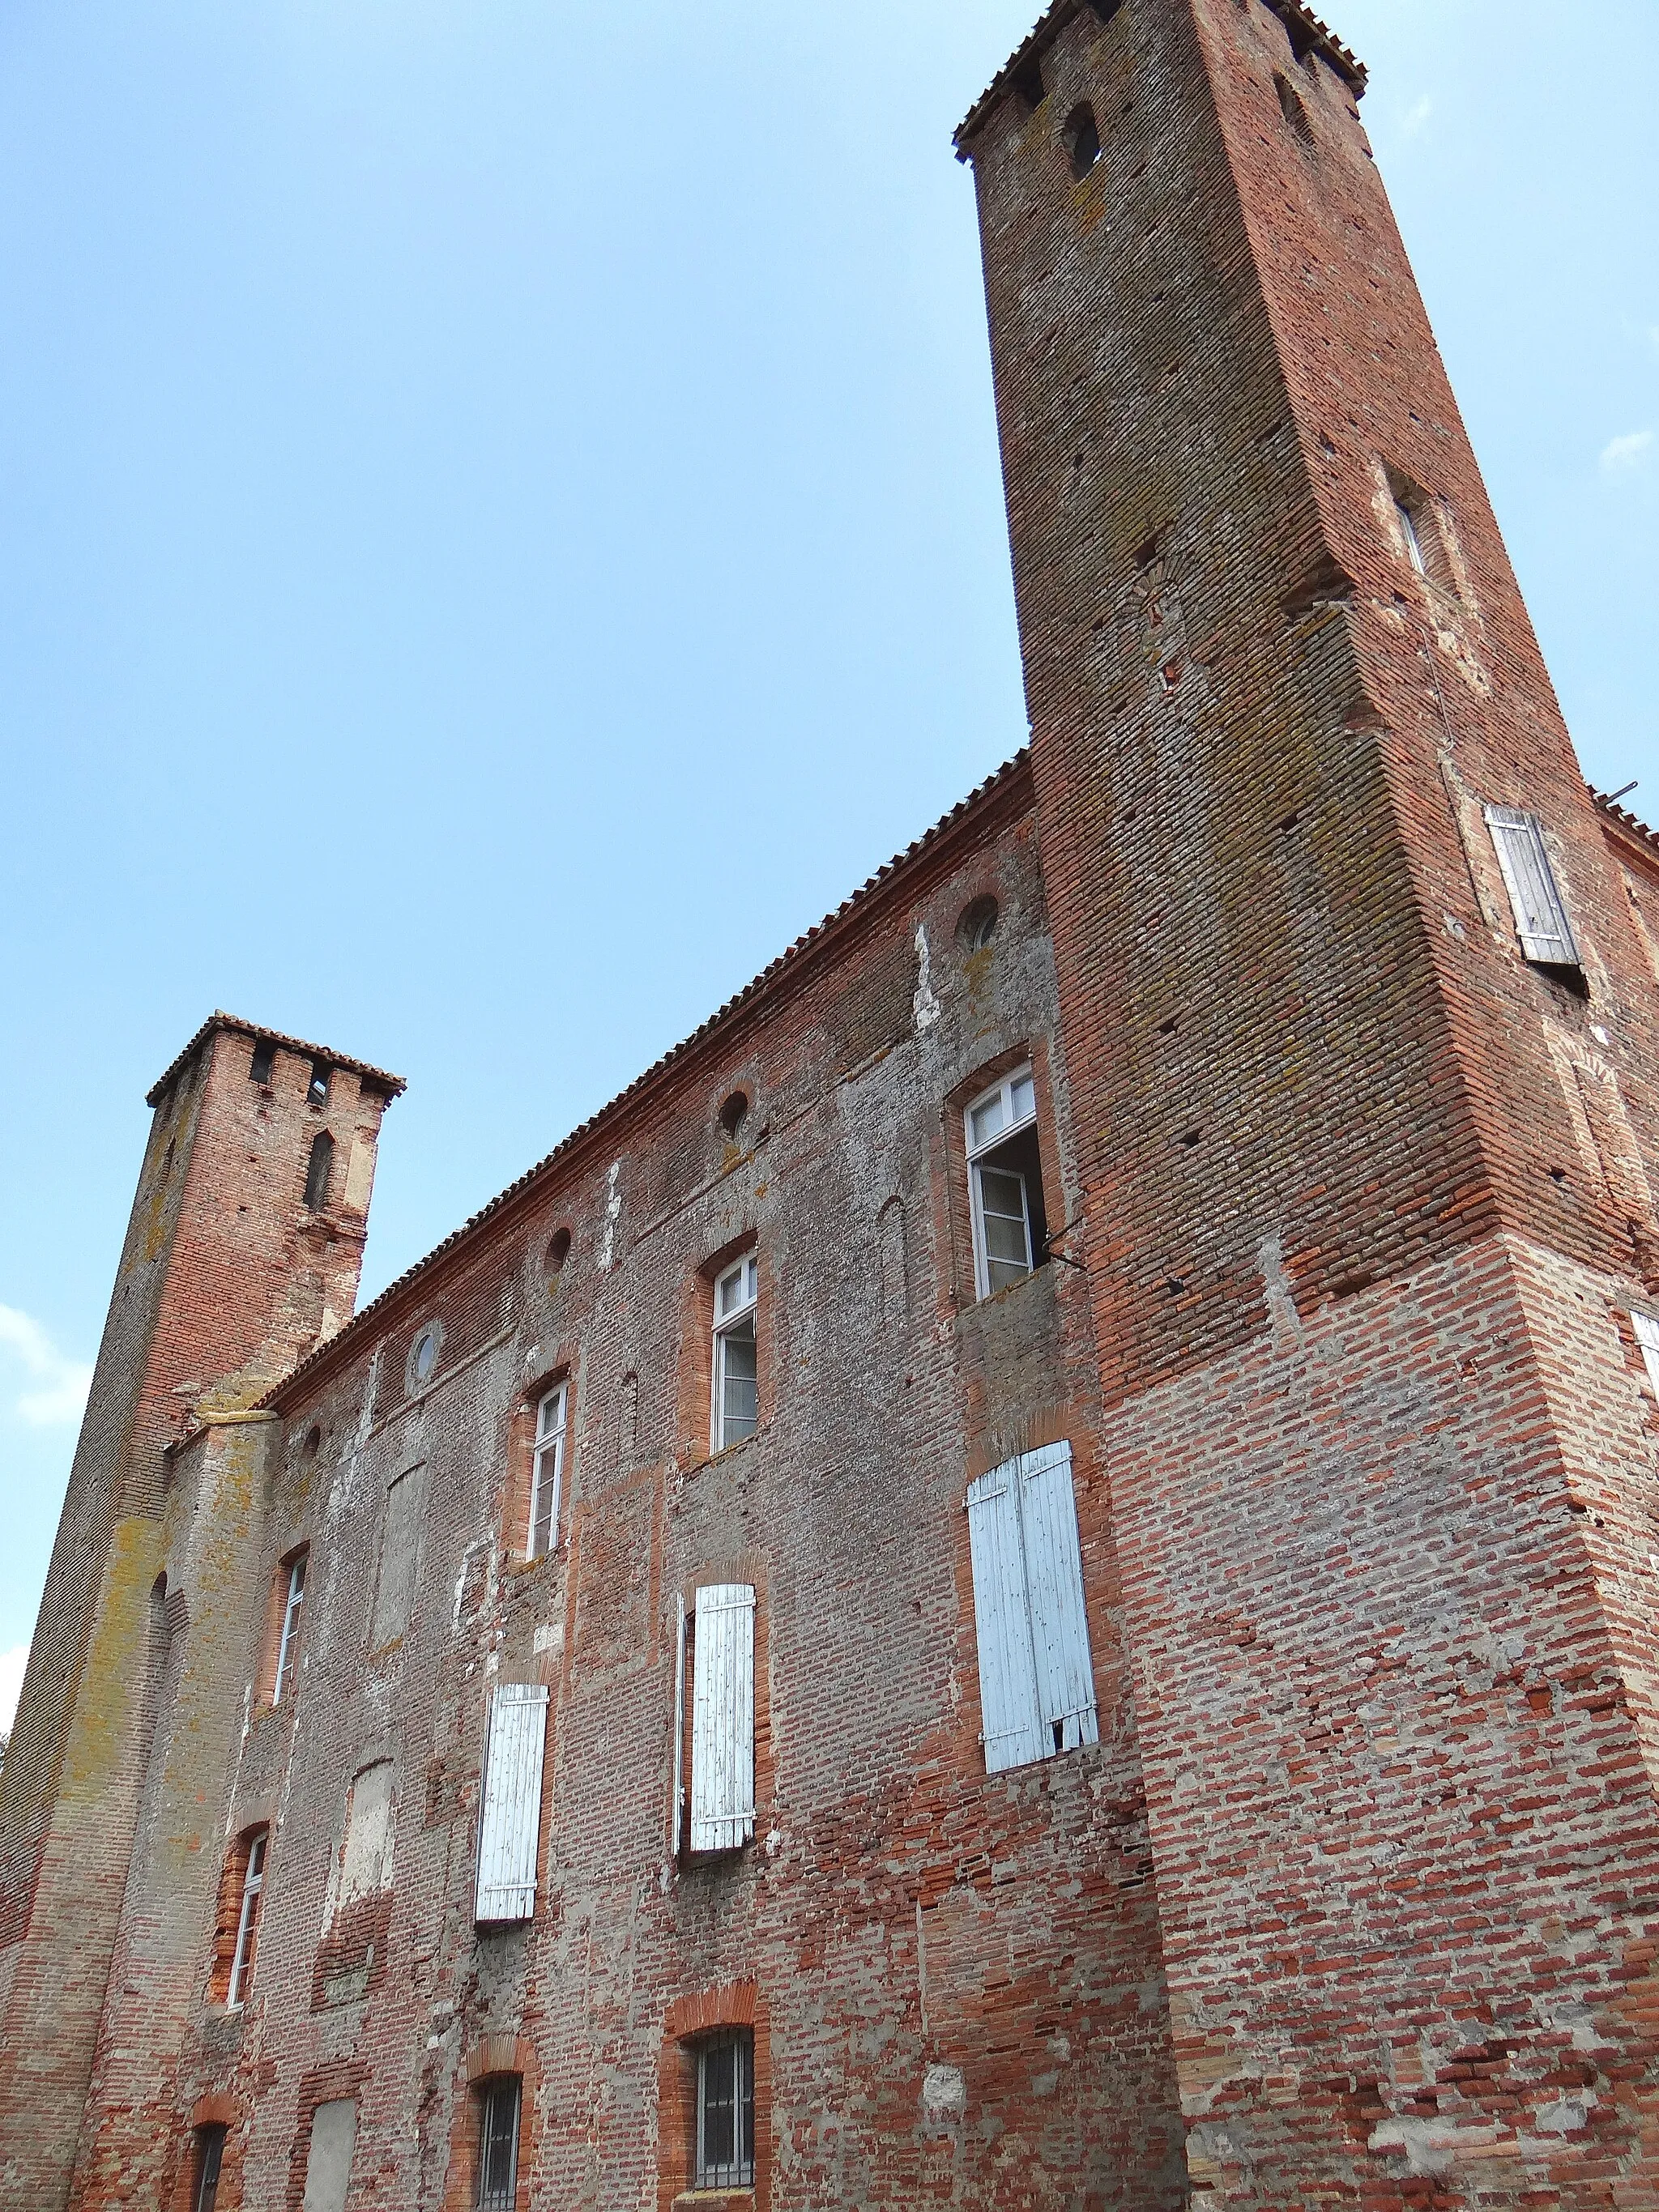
<point x="1025" y="1577"/>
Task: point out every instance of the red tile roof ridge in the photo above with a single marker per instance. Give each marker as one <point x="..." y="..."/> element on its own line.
<point x="995" y="784"/>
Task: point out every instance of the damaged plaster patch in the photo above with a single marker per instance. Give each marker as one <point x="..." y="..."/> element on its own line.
<point x="612" y="1216"/>
<point x="1430" y="2147"/>
<point x="925" y="1006"/>
<point x="943" y="2092"/>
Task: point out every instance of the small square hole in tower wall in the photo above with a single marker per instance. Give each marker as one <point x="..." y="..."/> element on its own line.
<point x="1028" y="83"/>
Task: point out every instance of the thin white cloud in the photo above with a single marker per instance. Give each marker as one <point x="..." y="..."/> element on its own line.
<point x="1628" y="452"/>
<point x="1415" y="119"/>
<point x="12" y="1664"/>
<point x="55" y="1392"/>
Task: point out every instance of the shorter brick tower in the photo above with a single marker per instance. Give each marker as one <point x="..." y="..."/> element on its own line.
<point x="242" y="1254"/>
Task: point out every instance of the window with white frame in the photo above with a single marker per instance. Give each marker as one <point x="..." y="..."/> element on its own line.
<point x="720" y="1630"/>
<point x="500" y="2102"/>
<point x="547" y="1474"/>
<point x="1036" y="1677"/>
<point x="287" y="1644"/>
<point x="725" y="2112"/>
<point x="247" y="1920"/>
<point x="1541" y="917"/>
<point x="1647" y="1336"/>
<point x="737" y="1355"/>
<point x="1005" y="1173"/>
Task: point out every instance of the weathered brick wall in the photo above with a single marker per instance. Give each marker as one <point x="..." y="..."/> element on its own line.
<point x="901" y="1919"/>
<point x="1390" y="1690"/>
<point x="1354" y="1901"/>
<point x="226" y="1279"/>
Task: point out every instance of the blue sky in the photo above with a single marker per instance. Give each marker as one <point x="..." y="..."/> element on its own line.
<point x="500" y="529"/>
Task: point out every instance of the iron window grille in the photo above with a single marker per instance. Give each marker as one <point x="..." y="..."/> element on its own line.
<point x="726" y="2112"/>
<point x="498" y="2145"/>
<point x="209" y="2157"/>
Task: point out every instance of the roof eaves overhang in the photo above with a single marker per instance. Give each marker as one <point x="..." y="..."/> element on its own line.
<point x="1009" y="784"/>
<point x="1322" y="38"/>
<point x="393" y="1086"/>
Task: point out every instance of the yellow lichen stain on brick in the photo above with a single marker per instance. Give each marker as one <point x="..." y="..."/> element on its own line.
<point x="114" y="1662"/>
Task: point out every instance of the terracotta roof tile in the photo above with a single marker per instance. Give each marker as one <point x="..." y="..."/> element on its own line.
<point x="994" y="785"/>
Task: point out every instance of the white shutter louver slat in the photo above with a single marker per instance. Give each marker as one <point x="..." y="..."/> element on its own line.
<point x="1011" y="1720"/>
<point x="1060" y="1624"/>
<point x="1541" y="918"/>
<point x="509" y="1821"/>
<point x="723" y="1718"/>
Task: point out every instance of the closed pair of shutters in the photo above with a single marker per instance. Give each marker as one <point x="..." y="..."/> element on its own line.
<point x="509" y="1825"/>
<point x="722" y="1744"/>
<point x="1037" y="1676"/>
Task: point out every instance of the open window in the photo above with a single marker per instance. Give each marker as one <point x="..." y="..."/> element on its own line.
<point x="1541" y="916"/>
<point x="500" y="2101"/>
<point x="293" y="1585"/>
<point x="736" y="1412"/>
<point x="1423" y="532"/>
<point x="251" y="1854"/>
<point x="717" y="1637"/>
<point x="1036" y="1677"/>
<point x="547" y="1473"/>
<point x="725" y="2112"/>
<point x="1005" y="1173"/>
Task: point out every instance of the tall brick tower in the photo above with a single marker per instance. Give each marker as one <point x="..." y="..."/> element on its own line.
<point x="243" y="1252"/>
<point x="1362" y="1044"/>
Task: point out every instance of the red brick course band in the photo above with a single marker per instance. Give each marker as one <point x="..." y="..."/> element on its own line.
<point x="1349" y="1315"/>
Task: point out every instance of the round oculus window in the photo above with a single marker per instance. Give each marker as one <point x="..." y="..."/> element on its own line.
<point x="423" y="1356"/>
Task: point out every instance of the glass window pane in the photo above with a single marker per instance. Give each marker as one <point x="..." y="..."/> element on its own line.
<point x="1024" y="1099"/>
<point x="739" y="1385"/>
<point x="987" y="1120"/>
<point x="544" y="1499"/>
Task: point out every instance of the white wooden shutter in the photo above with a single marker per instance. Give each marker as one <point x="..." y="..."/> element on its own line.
<point x="1036" y="1677"/>
<point x="723" y="1719"/>
<point x="1012" y="1721"/>
<point x="1054" y="1580"/>
<point x="1540" y="919"/>
<point x="1647" y="1335"/>
<point x="509" y="1825"/>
